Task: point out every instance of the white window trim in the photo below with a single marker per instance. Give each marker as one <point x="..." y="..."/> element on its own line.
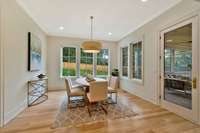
<point x="78" y="62"/>
<point x="109" y="64"/>
<point x="139" y="81"/>
<point x="121" y="63"/>
<point x="61" y="61"/>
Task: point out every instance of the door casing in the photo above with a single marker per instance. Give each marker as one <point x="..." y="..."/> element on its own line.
<point x="172" y="107"/>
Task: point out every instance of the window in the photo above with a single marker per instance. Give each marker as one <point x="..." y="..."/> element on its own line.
<point x="168" y="59"/>
<point x="102" y="63"/>
<point x="136" y="60"/>
<point x="86" y="63"/>
<point x="69" y="61"/>
<point x="125" y="61"/>
<point x="178" y="60"/>
<point x="183" y="60"/>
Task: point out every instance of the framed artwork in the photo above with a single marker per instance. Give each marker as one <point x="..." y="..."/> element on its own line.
<point x="34" y="52"/>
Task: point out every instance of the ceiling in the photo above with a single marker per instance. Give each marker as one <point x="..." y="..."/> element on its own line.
<point x="119" y="17"/>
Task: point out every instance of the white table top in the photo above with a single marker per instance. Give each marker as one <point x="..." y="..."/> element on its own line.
<point x="84" y="82"/>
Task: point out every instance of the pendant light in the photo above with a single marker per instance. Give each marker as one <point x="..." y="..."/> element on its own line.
<point x="91" y="46"/>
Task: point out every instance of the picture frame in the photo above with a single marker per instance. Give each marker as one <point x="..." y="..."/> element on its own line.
<point x="34" y="52"/>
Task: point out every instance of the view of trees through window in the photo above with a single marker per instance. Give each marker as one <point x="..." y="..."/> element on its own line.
<point x="86" y="64"/>
<point x="69" y="61"/>
<point x="102" y="63"/>
<point x="177" y="60"/>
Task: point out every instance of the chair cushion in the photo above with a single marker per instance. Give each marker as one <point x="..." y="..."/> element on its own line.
<point x="94" y="99"/>
<point x="77" y="92"/>
<point x="111" y="90"/>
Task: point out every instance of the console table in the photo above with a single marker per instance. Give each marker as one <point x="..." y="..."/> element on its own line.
<point x="37" y="91"/>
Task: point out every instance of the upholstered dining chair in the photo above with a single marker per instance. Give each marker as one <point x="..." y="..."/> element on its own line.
<point x="113" y="86"/>
<point x="73" y="91"/>
<point x="97" y="94"/>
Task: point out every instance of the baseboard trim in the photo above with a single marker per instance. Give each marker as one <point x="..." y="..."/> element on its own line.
<point x="9" y="116"/>
<point x="56" y="88"/>
<point x="142" y="97"/>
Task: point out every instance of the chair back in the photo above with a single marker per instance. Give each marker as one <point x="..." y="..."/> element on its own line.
<point x="114" y="82"/>
<point x="68" y="85"/>
<point x="98" y="90"/>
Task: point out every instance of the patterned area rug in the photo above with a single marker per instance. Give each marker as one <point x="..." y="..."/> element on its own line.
<point x="72" y="117"/>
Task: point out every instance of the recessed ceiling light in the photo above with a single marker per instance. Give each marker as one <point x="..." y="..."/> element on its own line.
<point x="61" y="28"/>
<point x="144" y="0"/>
<point x="109" y="33"/>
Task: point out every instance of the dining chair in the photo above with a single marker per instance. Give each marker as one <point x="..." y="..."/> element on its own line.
<point x="73" y="91"/>
<point x="97" y="94"/>
<point x="75" y="84"/>
<point x="112" y="88"/>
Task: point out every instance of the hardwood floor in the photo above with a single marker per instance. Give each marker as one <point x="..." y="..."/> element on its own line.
<point x="150" y="119"/>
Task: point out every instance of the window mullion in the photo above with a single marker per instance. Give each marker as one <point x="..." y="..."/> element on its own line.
<point x="61" y="62"/>
<point x="94" y="64"/>
<point x="78" y="62"/>
<point x="137" y="61"/>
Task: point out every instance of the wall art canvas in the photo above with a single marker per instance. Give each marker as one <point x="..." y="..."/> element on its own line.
<point x="34" y="52"/>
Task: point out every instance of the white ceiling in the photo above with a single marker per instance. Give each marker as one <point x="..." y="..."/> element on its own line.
<point x="119" y="17"/>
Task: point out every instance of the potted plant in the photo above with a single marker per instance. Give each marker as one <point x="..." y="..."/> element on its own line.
<point x="115" y="72"/>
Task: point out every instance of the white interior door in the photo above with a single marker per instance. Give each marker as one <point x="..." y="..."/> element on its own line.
<point x="179" y="69"/>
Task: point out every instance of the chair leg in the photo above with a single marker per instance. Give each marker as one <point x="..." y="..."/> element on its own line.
<point x="116" y="95"/>
<point x="88" y="107"/>
<point x="104" y="109"/>
<point x="85" y="96"/>
<point x="111" y="95"/>
<point x="68" y="97"/>
<point x="84" y="100"/>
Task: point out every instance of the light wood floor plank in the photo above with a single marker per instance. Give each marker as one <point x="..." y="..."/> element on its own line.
<point x="150" y="119"/>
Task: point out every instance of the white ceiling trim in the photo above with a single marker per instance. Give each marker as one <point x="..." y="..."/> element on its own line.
<point x="73" y="35"/>
<point x="147" y="21"/>
<point x="21" y="4"/>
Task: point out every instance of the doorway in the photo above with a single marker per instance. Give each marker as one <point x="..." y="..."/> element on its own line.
<point x="179" y="69"/>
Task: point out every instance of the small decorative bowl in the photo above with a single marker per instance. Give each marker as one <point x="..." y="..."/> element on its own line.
<point x="41" y="76"/>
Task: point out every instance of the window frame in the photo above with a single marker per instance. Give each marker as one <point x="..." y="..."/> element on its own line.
<point x="140" y="81"/>
<point x="61" y="61"/>
<point x="121" y="62"/>
<point x="103" y="76"/>
<point x="78" y="62"/>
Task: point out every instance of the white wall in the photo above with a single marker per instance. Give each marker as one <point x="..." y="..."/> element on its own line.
<point x="54" y="46"/>
<point x="1" y="71"/>
<point x="150" y="31"/>
<point x="15" y="27"/>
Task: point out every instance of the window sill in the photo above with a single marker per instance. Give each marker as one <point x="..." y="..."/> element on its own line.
<point x="63" y="77"/>
<point x="137" y="81"/>
<point x="101" y="76"/>
<point x="126" y="78"/>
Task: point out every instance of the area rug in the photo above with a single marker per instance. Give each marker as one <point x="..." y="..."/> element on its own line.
<point x="74" y="117"/>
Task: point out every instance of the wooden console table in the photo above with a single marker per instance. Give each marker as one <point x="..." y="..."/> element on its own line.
<point x="37" y="90"/>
